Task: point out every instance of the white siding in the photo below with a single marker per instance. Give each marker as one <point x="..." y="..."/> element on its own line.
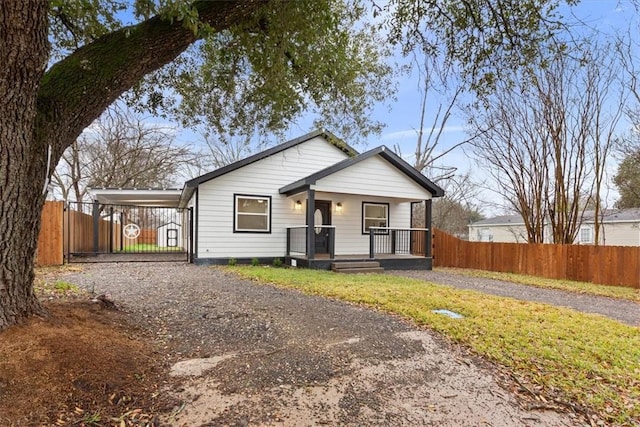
<point x="373" y="177"/>
<point x="216" y="238"/>
<point x="620" y="234"/>
<point x="498" y="233"/>
<point x="611" y="234"/>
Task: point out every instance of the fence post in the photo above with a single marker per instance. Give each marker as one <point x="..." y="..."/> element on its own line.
<point x="111" y="229"/>
<point x="96" y="227"/>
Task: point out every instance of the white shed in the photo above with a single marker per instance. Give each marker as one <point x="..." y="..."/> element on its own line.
<point x="170" y="235"/>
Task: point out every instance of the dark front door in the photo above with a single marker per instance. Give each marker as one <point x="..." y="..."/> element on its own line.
<point x="322" y="216"/>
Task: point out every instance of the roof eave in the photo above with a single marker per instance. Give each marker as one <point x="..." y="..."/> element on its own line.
<point x="328" y="136"/>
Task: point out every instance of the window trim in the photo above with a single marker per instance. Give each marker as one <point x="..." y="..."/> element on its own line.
<point x="590" y="229"/>
<point x="237" y="196"/>
<point x="362" y="217"/>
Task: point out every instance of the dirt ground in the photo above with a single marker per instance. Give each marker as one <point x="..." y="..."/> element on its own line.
<point x="82" y="365"/>
<point x="192" y="346"/>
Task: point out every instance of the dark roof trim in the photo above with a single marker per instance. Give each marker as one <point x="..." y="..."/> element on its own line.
<point x="190" y="185"/>
<point x="382" y="151"/>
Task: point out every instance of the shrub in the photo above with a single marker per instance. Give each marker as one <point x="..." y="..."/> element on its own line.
<point x="255" y="262"/>
<point x="232" y="262"/>
<point x="277" y="262"/>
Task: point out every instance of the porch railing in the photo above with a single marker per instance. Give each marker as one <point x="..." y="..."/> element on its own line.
<point x="297" y="240"/>
<point x="397" y="241"/>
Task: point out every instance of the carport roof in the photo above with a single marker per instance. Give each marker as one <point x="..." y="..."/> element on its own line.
<point x="159" y="197"/>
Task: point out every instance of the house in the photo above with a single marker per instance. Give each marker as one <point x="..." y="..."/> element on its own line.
<point x="311" y="201"/>
<point x="504" y="228"/>
<point x="620" y="227"/>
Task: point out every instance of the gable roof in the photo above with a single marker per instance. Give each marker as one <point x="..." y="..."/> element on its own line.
<point x="382" y="151"/>
<point x="192" y="184"/>
<point x="609" y="216"/>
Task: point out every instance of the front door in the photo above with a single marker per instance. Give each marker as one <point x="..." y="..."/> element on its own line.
<point x="322" y="216"/>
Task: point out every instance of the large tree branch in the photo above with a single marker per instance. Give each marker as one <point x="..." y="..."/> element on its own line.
<point x="76" y="90"/>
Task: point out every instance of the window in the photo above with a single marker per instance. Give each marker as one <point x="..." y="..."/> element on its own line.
<point x="374" y="215"/>
<point x="484" y="235"/>
<point x="586" y="235"/>
<point x="252" y="214"/>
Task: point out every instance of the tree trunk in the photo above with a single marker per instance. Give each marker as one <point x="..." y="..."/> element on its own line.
<point x="41" y="114"/>
<point x="24" y="48"/>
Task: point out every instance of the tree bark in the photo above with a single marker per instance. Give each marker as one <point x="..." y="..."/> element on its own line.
<point x="24" y="50"/>
<point x="41" y="114"/>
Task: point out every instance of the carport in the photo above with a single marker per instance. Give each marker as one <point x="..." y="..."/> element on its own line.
<point x="128" y="224"/>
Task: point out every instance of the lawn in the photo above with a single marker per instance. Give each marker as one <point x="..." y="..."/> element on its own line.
<point x="565" y="285"/>
<point x="568" y="357"/>
<point x="147" y="247"/>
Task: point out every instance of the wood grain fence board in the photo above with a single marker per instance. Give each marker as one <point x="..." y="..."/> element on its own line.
<point x="606" y="265"/>
<point x="50" y="239"/>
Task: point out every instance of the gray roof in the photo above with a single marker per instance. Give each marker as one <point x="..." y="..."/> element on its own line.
<point x="501" y="220"/>
<point x="382" y="151"/>
<point x="610" y="216"/>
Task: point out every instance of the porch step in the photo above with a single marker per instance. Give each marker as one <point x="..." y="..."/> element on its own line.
<point x="357" y="267"/>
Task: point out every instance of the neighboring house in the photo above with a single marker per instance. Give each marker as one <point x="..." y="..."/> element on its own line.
<point x="311" y="201"/>
<point x="504" y="228"/>
<point x="620" y="227"/>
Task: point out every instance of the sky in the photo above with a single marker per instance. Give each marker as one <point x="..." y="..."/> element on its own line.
<point x="401" y="117"/>
<point x="402" y="121"/>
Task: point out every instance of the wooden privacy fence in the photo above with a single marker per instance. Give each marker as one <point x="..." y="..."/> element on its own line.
<point x="606" y="265"/>
<point x="79" y="233"/>
<point x="51" y="239"/>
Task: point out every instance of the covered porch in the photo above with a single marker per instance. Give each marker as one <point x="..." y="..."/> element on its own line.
<point x="351" y="228"/>
<point x="361" y="209"/>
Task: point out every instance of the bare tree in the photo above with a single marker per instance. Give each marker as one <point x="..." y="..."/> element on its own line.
<point x="545" y="140"/>
<point x="118" y="150"/>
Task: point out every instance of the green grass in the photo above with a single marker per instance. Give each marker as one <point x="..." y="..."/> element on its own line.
<point x="147" y="247"/>
<point x="580" y="358"/>
<point x="566" y="285"/>
<point x="62" y="286"/>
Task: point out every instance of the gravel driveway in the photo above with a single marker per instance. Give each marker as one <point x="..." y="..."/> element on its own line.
<point x="622" y="310"/>
<point x="248" y="354"/>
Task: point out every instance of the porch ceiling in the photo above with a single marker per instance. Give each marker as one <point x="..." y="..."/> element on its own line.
<point x="159" y="197"/>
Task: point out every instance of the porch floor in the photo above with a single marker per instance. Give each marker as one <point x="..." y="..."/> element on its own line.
<point x="387" y="261"/>
<point x="352" y="257"/>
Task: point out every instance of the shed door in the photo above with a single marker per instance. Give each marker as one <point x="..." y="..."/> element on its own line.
<point x="172" y="237"/>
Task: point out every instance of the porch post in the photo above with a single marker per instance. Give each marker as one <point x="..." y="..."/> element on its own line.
<point x="311" y="235"/>
<point x="427" y="225"/>
<point x="332" y="243"/>
<point x="371" y="244"/>
<point x="288" y="241"/>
